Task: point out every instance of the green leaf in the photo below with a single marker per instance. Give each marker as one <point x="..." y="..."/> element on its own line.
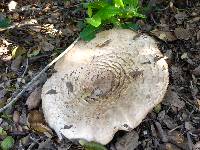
<point x="33" y="53"/>
<point x="130" y="12"/>
<point x="7" y="143"/>
<point x="92" y="145"/>
<point x="94" y="21"/>
<point x="157" y="108"/>
<point x="98" y="4"/>
<point x="18" y="51"/>
<point x="89" y="11"/>
<point x="133" y="3"/>
<point x="103" y="14"/>
<point x="115" y="21"/>
<point x="4" y="22"/>
<point x="119" y="3"/>
<point x="88" y="33"/>
<point x="2" y="132"/>
<point x="130" y="25"/>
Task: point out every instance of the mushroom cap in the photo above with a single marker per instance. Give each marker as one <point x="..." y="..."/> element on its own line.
<point x="105" y="85"/>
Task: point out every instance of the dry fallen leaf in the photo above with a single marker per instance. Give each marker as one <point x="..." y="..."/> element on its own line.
<point x="177" y="137"/>
<point x="172" y="98"/>
<point x="198" y="101"/>
<point x="45" y="46"/>
<point x="182" y="33"/>
<point x="198" y="35"/>
<point x="180" y="16"/>
<point x="36" y="122"/>
<point x="16" y="63"/>
<point x="2" y="93"/>
<point x="196" y="71"/>
<point x="16" y="116"/>
<point x="164" y="35"/>
<point x="197" y="146"/>
<point x="34" y="99"/>
<point x="128" y="141"/>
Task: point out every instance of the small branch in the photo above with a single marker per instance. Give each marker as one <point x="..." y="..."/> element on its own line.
<point x="162" y="133"/>
<point x="190" y="144"/>
<point x="13" y="100"/>
<point x="26" y="68"/>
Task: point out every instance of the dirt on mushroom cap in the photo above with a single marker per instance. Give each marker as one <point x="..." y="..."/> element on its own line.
<point x="105" y="85"/>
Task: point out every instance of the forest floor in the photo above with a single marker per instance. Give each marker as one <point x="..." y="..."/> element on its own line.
<point x="41" y="29"/>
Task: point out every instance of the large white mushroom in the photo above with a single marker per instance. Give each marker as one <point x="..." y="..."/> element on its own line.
<point x="105" y="85"/>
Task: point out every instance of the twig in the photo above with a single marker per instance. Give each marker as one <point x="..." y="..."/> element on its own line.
<point x="190" y="144"/>
<point x="154" y="21"/>
<point x="13" y="100"/>
<point x="175" y="128"/>
<point x="162" y="133"/>
<point x="26" y="68"/>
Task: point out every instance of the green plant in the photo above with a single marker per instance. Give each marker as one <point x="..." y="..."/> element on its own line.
<point x="4" y="22"/>
<point x="7" y="143"/>
<point x="92" y="145"/>
<point x="115" y="12"/>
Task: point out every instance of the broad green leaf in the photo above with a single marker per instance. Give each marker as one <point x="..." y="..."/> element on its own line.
<point x="130" y="12"/>
<point x="119" y="3"/>
<point x="4" y="22"/>
<point x="130" y="25"/>
<point x="92" y="145"/>
<point x="115" y="21"/>
<point x="65" y="1"/>
<point x="133" y="3"/>
<point x="89" y="11"/>
<point x="33" y="53"/>
<point x="2" y="132"/>
<point x="105" y="13"/>
<point x="88" y="33"/>
<point x="18" y="51"/>
<point x="98" y="4"/>
<point x="7" y="143"/>
<point x="94" y="21"/>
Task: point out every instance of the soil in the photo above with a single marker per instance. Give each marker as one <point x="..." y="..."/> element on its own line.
<point x="41" y="29"/>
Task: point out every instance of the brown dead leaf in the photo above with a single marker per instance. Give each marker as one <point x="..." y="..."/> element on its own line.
<point x="36" y="122"/>
<point x="197" y="146"/>
<point x="182" y="33"/>
<point x="35" y="116"/>
<point x="198" y="35"/>
<point x="16" y="63"/>
<point x="180" y="16"/>
<point x="169" y="146"/>
<point x="172" y="98"/>
<point x="176" y="136"/>
<point x="16" y="116"/>
<point x="128" y="141"/>
<point x="198" y="101"/>
<point x="169" y="122"/>
<point x="34" y="98"/>
<point x="45" y="46"/>
<point x="196" y="71"/>
<point x="164" y="35"/>
<point x="2" y="93"/>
